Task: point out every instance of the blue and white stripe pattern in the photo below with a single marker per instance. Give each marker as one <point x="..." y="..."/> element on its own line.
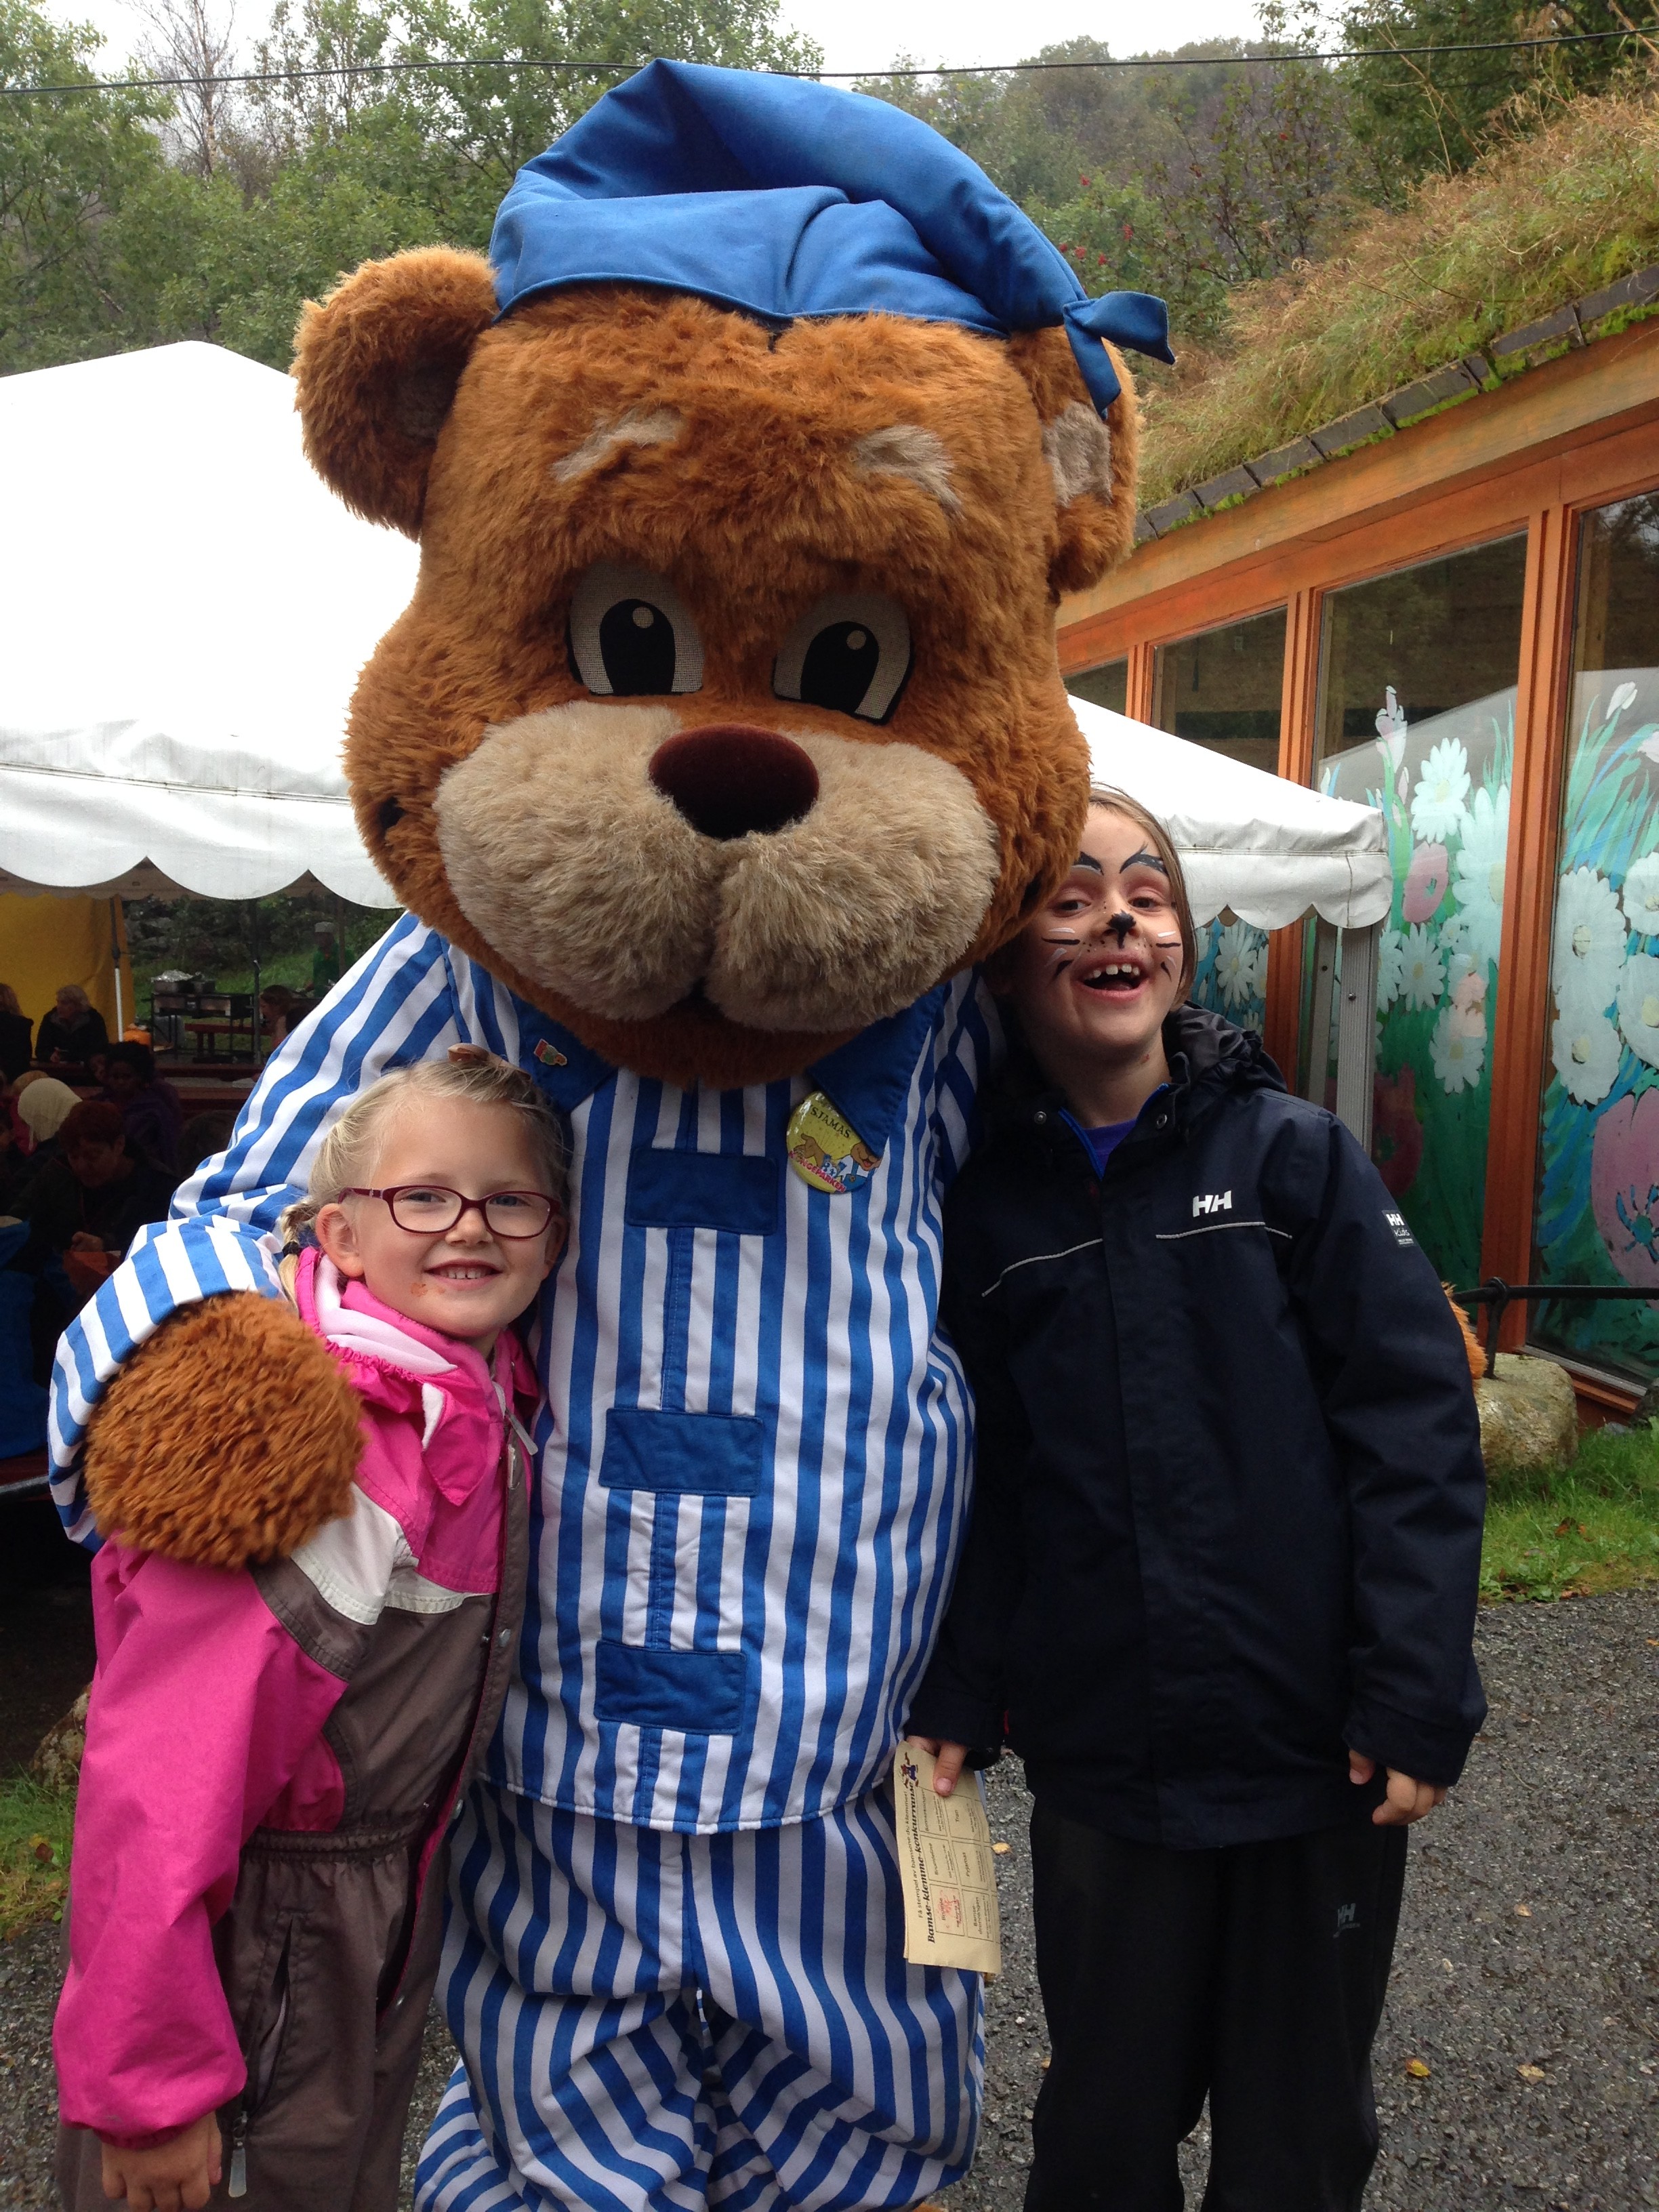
<point x="752" y="1469"/>
<point x="673" y="2023"/>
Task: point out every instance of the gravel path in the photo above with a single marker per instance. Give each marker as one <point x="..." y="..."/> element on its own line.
<point x="1557" y="1815"/>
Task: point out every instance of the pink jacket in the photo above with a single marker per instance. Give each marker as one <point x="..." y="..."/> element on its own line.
<point x="223" y="1705"/>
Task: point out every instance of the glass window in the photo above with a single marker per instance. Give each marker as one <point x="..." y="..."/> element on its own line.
<point x="1598" y="1196"/>
<point x="1417" y="716"/>
<point x="1106" y="687"/>
<point x="1223" y="689"/>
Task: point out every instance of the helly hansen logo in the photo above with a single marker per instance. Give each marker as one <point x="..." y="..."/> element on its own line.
<point x="1397" y="1222"/>
<point x="1211" y="1201"/>
<point x="1347" y="1919"/>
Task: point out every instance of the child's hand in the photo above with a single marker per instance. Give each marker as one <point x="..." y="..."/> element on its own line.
<point x="1407" y="1800"/>
<point x="171" y="2176"/>
<point x="947" y="1771"/>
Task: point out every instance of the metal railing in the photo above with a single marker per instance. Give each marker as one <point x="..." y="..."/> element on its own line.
<point x="1498" y="1297"/>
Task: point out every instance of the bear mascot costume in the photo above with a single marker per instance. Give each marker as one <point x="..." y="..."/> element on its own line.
<point x="722" y="738"/>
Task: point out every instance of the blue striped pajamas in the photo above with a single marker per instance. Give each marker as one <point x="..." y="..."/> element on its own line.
<point x="751" y="1488"/>
<point x="677" y="2020"/>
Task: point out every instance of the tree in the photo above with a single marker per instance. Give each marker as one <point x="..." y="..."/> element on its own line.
<point x="1412" y="115"/>
<point x="68" y="166"/>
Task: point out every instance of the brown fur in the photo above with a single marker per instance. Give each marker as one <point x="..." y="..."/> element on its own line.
<point x="230" y="1436"/>
<point x="1474" y="1350"/>
<point x="757" y="507"/>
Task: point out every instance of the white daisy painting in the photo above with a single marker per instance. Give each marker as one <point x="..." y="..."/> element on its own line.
<point x="1638" y="1006"/>
<point x="1585" y="1053"/>
<point x="1589" y="944"/>
<point x="1441" y="796"/>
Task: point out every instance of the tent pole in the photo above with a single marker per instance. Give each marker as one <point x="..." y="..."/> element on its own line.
<point x="1356" y="1031"/>
<point x="255" y="935"/>
<point x="115" y="956"/>
<point x="1319" y="1012"/>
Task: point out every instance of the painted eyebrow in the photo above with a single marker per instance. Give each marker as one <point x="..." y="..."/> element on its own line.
<point x="1145" y="858"/>
<point x="1088" y="861"/>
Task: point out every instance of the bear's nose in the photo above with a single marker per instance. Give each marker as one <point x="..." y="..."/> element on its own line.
<point x="728" y="778"/>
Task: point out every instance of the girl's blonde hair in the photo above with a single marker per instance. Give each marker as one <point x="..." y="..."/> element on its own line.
<point x="346" y="1155"/>
<point x="1102" y="794"/>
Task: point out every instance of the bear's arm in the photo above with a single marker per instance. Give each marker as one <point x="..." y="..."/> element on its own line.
<point x="407" y="1000"/>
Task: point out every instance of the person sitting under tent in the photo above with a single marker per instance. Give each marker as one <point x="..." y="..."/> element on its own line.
<point x="17" y="1033"/>
<point x="86" y="1206"/>
<point x="70" y="1034"/>
<point x="281" y="1012"/>
<point x="152" y="1112"/>
<point x="42" y="1105"/>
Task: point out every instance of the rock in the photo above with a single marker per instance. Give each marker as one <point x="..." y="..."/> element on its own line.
<point x="57" y="1764"/>
<point x="1529" y="1415"/>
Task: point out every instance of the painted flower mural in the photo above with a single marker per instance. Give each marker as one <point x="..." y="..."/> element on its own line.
<point x="1640" y="896"/>
<point x="1423" y="971"/>
<point x="1458" y="1052"/>
<point x="1598" y="1206"/>
<point x="1231" y="976"/>
<point x="1425" y="883"/>
<point x="1479" y="921"/>
<point x="1589" y="943"/>
<point x="1441" y="793"/>
<point x="1638" y="1006"/>
<point x="1624" y="1187"/>
<point x="1585" y="1054"/>
<point x="1396" y="1131"/>
<point x="1390" y="969"/>
<point x="1240" y="963"/>
<point x="1442" y="786"/>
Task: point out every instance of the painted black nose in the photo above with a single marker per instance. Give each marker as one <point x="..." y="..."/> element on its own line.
<point x="728" y="779"/>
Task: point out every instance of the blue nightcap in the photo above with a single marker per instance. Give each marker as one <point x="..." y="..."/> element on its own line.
<point x="785" y="198"/>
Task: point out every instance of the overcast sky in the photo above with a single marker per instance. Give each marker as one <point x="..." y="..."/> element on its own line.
<point x="867" y="34"/>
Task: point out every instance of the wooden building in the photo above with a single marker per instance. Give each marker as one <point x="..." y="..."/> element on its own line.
<point x="1448" y="604"/>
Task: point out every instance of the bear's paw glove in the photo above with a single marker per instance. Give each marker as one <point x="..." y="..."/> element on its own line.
<point x="229" y="1437"/>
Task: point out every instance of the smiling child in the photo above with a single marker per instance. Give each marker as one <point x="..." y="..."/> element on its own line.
<point x="273" y="1754"/>
<point x="1219" y="1584"/>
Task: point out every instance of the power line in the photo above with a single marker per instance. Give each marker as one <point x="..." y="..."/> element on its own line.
<point x="945" y="69"/>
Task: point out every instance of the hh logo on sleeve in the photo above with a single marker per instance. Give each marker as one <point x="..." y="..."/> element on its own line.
<point x="1211" y="1201"/>
<point x="1402" y="1233"/>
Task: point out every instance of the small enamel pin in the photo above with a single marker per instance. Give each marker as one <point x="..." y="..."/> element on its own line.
<point x="825" y="1151"/>
<point x="549" y="1055"/>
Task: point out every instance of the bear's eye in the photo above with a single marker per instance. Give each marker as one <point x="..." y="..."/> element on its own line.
<point x="631" y="635"/>
<point x="850" y="652"/>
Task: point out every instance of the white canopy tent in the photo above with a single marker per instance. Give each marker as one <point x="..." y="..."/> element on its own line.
<point x="1269" y="851"/>
<point x="184" y="609"/>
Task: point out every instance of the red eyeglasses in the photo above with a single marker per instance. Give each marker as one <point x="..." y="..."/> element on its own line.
<point x="427" y="1208"/>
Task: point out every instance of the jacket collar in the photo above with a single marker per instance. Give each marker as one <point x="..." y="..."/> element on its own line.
<point x="349" y="1317"/>
<point x="867" y="1078"/>
<point x="1207" y="1056"/>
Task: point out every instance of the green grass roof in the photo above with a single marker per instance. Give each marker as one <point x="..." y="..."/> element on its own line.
<point x="1539" y="222"/>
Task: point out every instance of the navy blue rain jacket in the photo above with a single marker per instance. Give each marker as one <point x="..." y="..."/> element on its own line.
<point x="1228" y="1493"/>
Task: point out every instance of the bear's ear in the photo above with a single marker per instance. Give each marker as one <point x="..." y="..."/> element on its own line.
<point x="377" y="365"/>
<point x="1093" y="461"/>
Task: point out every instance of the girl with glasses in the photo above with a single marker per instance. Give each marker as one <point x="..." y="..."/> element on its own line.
<point x="273" y="1753"/>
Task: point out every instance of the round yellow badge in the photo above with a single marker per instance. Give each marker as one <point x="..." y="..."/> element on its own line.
<point x="825" y="1150"/>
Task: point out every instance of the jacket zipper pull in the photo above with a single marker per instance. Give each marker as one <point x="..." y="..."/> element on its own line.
<point x="239" y="2152"/>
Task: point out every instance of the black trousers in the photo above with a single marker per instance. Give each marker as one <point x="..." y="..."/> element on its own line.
<point x="1255" y="1974"/>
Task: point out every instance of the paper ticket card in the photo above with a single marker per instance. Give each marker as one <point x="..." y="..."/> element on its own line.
<point x="947" y="1868"/>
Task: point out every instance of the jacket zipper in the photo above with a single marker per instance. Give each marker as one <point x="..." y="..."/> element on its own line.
<point x="238" y="2148"/>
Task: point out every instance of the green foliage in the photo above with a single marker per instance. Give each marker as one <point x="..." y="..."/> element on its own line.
<point x="104" y="244"/>
<point x="68" y="168"/>
<point x="35" y="1828"/>
<point x="1594" y="1526"/>
<point x="1415" y="115"/>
